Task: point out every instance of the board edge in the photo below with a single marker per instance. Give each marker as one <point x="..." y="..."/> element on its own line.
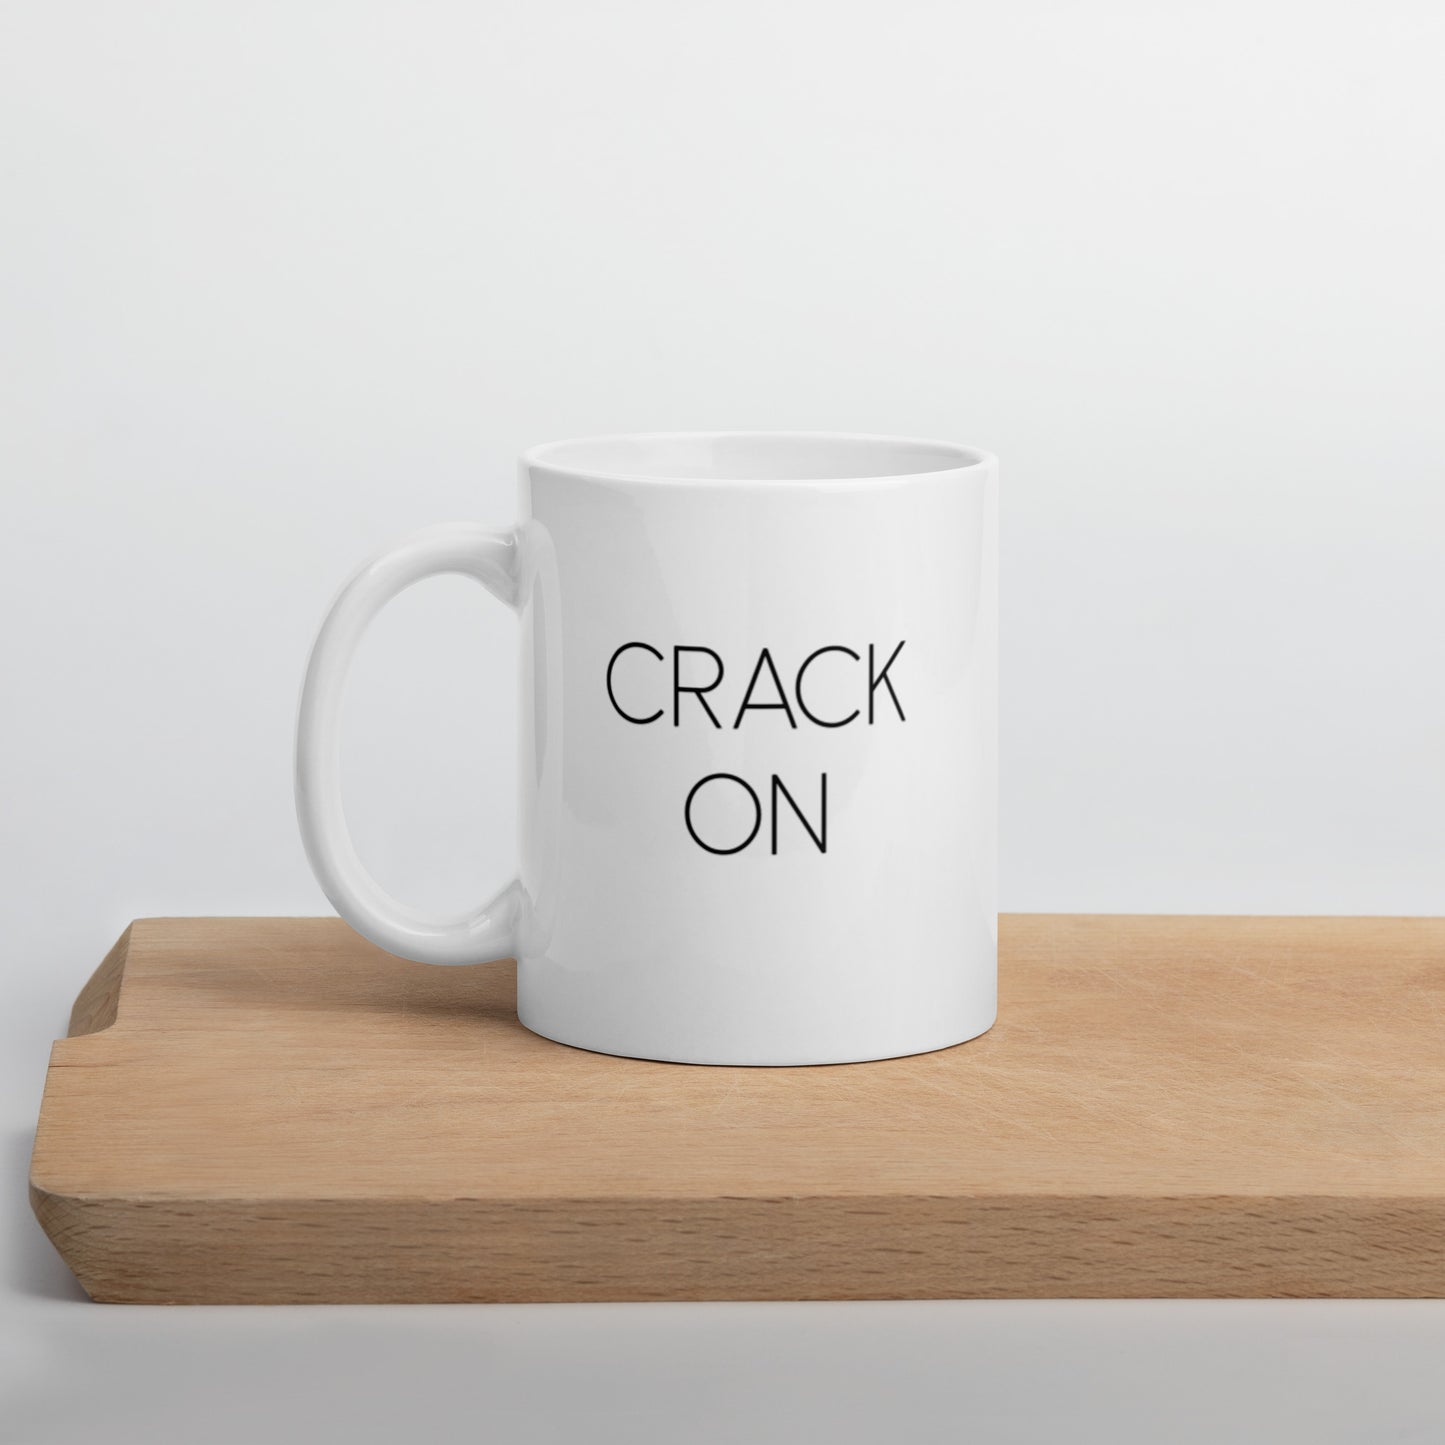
<point x="97" y="1005"/>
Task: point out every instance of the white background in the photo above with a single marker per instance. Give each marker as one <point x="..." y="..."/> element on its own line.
<point x="284" y="280"/>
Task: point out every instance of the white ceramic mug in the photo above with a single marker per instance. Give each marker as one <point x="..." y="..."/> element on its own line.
<point x="758" y="777"/>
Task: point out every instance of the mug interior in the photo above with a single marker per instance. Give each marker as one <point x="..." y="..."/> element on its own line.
<point x="751" y="457"/>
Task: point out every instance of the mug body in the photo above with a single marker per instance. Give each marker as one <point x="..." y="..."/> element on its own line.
<point x="758" y="806"/>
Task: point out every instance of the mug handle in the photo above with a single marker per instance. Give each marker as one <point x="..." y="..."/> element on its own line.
<point x="489" y="932"/>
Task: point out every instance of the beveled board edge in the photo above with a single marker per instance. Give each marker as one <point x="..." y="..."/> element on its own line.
<point x="95" y="1010"/>
<point x="788" y="1248"/>
<point x="98" y="1002"/>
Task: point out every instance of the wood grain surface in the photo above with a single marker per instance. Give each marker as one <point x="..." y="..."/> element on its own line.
<point x="273" y="1110"/>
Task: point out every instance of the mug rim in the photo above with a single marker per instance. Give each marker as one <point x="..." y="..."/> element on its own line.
<point x="937" y="458"/>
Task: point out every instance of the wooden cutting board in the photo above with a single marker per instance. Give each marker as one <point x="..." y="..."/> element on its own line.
<point x="273" y="1110"/>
